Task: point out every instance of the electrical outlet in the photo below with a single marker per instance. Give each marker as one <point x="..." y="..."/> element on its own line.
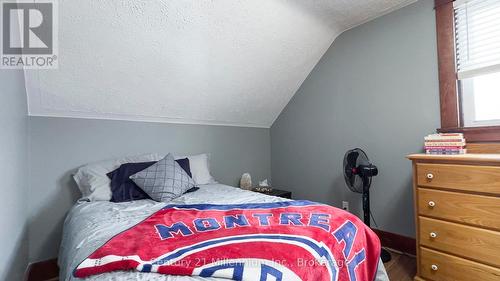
<point x="345" y="206"/>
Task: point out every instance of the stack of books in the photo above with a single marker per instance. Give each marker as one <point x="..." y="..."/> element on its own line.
<point x="447" y="144"/>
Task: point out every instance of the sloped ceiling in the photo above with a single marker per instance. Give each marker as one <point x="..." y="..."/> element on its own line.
<point x="223" y="62"/>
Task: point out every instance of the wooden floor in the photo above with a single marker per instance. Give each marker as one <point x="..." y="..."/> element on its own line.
<point x="401" y="267"/>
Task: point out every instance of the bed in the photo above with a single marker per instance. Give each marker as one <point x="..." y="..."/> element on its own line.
<point x="91" y="224"/>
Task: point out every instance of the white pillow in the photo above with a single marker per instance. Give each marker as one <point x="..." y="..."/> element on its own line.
<point x="93" y="182"/>
<point x="200" y="169"/>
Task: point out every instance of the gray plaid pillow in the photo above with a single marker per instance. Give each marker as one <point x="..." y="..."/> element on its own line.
<point x="164" y="180"/>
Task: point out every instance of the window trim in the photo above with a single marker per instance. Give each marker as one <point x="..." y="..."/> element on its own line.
<point x="448" y="81"/>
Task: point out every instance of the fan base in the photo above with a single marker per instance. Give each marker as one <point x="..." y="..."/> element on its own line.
<point x="385" y="255"/>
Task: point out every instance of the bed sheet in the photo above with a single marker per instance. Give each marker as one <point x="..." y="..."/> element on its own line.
<point x="90" y="224"/>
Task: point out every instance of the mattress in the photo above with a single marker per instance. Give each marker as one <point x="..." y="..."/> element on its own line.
<point x="91" y="224"/>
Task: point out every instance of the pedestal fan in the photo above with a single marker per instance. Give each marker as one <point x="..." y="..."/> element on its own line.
<point x="358" y="173"/>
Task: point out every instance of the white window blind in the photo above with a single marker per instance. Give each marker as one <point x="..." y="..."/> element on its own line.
<point x="477" y="35"/>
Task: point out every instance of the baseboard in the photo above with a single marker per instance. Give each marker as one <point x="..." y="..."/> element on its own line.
<point x="397" y="242"/>
<point x="43" y="271"/>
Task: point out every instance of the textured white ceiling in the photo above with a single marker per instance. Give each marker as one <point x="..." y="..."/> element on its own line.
<point x="189" y="61"/>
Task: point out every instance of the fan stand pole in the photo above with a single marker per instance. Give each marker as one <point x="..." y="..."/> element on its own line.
<point x="366" y="204"/>
<point x="385" y="256"/>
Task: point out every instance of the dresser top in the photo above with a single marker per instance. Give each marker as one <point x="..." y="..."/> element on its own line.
<point x="470" y="157"/>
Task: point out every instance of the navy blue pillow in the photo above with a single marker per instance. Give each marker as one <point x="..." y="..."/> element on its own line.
<point x="192" y="189"/>
<point x="124" y="189"/>
<point x="184" y="163"/>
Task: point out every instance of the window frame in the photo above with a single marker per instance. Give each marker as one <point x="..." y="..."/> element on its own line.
<point x="449" y="96"/>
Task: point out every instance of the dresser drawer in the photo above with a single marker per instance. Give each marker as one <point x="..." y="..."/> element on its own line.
<point x="460" y="207"/>
<point x="438" y="266"/>
<point x="484" y="179"/>
<point x="471" y="242"/>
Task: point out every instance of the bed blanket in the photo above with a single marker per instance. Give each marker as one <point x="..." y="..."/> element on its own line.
<point x="294" y="240"/>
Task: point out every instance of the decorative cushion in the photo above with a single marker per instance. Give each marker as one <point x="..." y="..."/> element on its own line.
<point x="123" y="189"/>
<point x="164" y="180"/>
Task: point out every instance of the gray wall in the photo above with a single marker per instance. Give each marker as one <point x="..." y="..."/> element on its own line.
<point x="14" y="167"/>
<point x="375" y="88"/>
<point x="58" y="145"/>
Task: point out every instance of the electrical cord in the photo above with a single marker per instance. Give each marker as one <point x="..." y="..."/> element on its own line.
<point x="371" y="215"/>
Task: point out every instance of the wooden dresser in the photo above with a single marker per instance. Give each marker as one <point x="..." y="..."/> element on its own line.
<point x="457" y="216"/>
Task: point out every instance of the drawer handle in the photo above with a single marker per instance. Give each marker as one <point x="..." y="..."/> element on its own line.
<point x="430" y="176"/>
<point x="434" y="267"/>
<point x="432" y="204"/>
<point x="433" y="235"/>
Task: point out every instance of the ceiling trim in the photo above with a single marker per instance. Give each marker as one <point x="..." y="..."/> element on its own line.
<point x="140" y="118"/>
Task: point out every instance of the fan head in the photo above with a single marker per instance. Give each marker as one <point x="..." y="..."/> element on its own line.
<point x="358" y="170"/>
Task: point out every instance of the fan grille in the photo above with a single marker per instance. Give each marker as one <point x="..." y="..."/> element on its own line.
<point x="353" y="159"/>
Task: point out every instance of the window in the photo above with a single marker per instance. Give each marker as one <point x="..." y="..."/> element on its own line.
<point x="481" y="100"/>
<point x="477" y="37"/>
<point x="468" y="43"/>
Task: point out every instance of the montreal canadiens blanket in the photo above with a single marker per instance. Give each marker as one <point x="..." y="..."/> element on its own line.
<point x="294" y="240"/>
